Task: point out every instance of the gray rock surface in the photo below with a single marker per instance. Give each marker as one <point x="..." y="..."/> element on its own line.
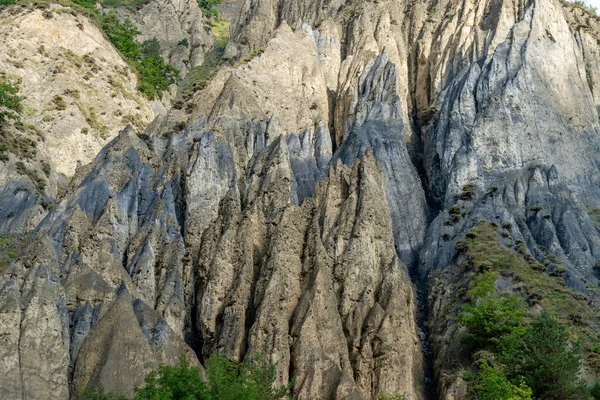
<point x="280" y="208"/>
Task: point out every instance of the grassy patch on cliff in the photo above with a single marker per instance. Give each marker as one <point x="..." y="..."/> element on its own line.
<point x="484" y="252"/>
<point x="198" y="77"/>
<point x="594" y="214"/>
<point x="506" y="289"/>
<point x="10" y="102"/>
<point x="9" y="250"/>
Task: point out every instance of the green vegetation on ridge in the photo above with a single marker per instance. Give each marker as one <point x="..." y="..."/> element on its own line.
<point x="516" y="354"/>
<point x="209" y="7"/>
<point x="155" y="75"/>
<point x="198" y="77"/>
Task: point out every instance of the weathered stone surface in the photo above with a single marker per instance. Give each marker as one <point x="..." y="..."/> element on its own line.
<point x="77" y="95"/>
<point x="280" y="209"/>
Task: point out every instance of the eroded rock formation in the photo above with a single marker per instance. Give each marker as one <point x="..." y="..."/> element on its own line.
<point x="292" y="206"/>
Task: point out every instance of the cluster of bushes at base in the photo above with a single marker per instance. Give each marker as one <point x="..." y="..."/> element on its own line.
<point x="225" y="380"/>
<point x="516" y="359"/>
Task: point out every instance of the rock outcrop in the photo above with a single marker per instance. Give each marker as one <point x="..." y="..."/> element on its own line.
<point x="77" y="95"/>
<point x="307" y="200"/>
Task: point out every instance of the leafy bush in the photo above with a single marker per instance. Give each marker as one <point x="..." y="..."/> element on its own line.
<point x="492" y="384"/>
<point x="10" y="102"/>
<point x="87" y="4"/>
<point x="155" y="76"/>
<point x="122" y="35"/>
<point x="151" y="48"/>
<point x="5" y="3"/>
<point x="490" y="316"/>
<point x="595" y="391"/>
<point x="226" y="380"/>
<point x="208" y="7"/>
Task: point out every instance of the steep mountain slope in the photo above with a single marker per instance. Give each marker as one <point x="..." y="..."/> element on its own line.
<point x="77" y="95"/>
<point x="179" y="26"/>
<point x="326" y="199"/>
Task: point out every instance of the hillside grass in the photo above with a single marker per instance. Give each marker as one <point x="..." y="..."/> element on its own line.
<point x="9" y="250"/>
<point x="198" y="77"/>
<point x="484" y="251"/>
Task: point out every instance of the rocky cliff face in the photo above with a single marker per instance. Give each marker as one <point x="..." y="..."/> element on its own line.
<point x="77" y="95"/>
<point x="306" y="201"/>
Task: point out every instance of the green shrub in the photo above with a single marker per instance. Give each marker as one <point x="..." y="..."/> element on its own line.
<point x="226" y="380"/>
<point x="122" y="35"/>
<point x="6" y="3"/>
<point x="58" y="103"/>
<point x="468" y="192"/>
<point x="155" y="76"/>
<point x="551" y="362"/>
<point x="595" y="391"/>
<point x="151" y="48"/>
<point x="10" y="102"/>
<point x="490" y="316"/>
<point x="492" y="384"/>
<point x="253" y="53"/>
<point x="208" y="7"/>
<point x="87" y="4"/>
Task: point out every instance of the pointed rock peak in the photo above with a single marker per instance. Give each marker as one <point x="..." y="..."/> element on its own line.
<point x="123" y="291"/>
<point x="283" y="29"/>
<point x="128" y="130"/>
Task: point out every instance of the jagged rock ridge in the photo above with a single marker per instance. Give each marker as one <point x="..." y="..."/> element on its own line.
<point x="308" y="182"/>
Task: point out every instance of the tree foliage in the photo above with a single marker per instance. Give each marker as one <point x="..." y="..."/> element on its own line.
<point x="209" y="7"/>
<point x="122" y="34"/>
<point x="551" y="362"/>
<point x="595" y="391"/>
<point x="151" y="48"/>
<point x="490" y="316"/>
<point x="492" y="384"/>
<point x="225" y="380"/>
<point x="154" y="74"/>
<point x="537" y="360"/>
